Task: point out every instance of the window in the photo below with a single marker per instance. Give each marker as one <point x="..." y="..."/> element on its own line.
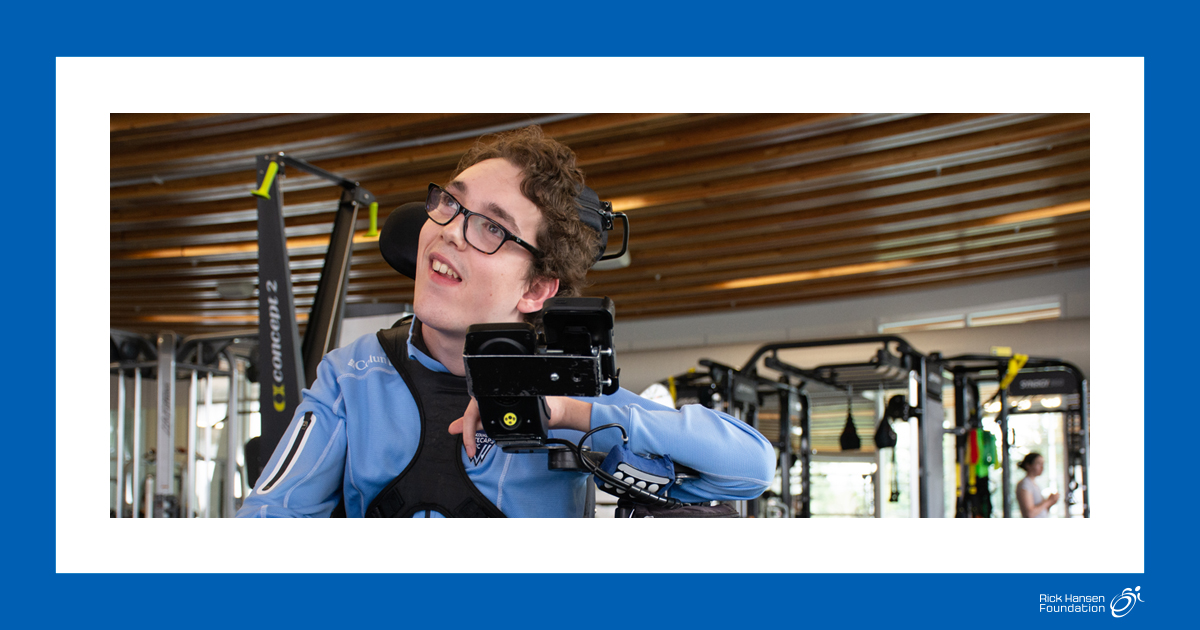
<point x="991" y="315"/>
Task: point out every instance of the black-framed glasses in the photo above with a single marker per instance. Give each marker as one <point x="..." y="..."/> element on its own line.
<point x="481" y="232"/>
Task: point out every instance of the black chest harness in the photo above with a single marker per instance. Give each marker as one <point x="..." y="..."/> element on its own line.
<point x="435" y="479"/>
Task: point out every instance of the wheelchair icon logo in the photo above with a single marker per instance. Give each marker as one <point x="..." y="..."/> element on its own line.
<point x="1124" y="602"/>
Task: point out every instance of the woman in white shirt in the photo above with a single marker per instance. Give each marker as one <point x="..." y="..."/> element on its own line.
<point x="1029" y="495"/>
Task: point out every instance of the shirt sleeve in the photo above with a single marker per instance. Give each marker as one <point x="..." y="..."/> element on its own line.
<point x="303" y="478"/>
<point x="734" y="460"/>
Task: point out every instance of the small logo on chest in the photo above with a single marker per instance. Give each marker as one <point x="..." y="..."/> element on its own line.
<point x="483" y="445"/>
<point x="361" y="365"/>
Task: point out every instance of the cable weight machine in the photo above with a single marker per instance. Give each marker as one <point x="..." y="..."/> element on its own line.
<point x="285" y="364"/>
<point x="170" y="490"/>
<point x="1022" y="376"/>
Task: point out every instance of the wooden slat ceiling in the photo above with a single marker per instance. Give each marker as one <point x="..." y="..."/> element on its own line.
<point x="728" y="211"/>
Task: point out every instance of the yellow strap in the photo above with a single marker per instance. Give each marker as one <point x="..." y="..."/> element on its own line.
<point x="671" y="386"/>
<point x="1014" y="365"/>
<point x="264" y="191"/>
<point x="958" y="485"/>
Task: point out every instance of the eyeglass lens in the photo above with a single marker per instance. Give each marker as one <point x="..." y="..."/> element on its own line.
<point x="482" y="233"/>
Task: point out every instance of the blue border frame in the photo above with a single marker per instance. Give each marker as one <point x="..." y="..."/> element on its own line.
<point x="925" y="29"/>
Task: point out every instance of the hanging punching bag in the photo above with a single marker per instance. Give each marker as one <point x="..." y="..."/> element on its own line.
<point x="849" y="439"/>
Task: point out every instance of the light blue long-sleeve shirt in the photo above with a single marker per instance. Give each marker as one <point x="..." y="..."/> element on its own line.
<point x="364" y="429"/>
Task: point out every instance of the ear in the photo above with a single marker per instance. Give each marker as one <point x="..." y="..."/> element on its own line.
<point x="540" y="290"/>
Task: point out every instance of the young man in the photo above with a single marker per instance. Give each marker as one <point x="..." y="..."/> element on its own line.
<point x="503" y="237"/>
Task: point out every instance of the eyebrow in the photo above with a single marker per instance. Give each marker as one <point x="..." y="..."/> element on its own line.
<point x="493" y="209"/>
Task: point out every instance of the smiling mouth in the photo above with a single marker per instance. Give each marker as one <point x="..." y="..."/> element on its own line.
<point x="444" y="269"/>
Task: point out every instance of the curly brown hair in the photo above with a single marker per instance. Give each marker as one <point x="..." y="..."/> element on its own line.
<point x="552" y="182"/>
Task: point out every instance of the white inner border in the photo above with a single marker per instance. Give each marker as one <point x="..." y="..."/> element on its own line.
<point x="1111" y="89"/>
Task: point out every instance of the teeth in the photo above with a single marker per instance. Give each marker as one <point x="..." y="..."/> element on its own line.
<point x="444" y="269"/>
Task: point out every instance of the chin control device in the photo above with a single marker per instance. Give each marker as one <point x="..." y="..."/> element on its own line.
<point x="510" y="368"/>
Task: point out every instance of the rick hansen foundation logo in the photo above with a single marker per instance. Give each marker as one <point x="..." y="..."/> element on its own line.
<point x="1124" y="602"/>
<point x="1120" y="605"/>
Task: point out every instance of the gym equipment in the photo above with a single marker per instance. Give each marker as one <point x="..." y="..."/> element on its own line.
<point x="849" y="439"/>
<point x="167" y="360"/>
<point x="1022" y="376"/>
<point x="694" y="388"/>
<point x="785" y="407"/>
<point x="744" y="394"/>
<point x="752" y="398"/>
<point x="125" y="348"/>
<point x="895" y="366"/>
<point x="287" y="364"/>
<point x="284" y="363"/>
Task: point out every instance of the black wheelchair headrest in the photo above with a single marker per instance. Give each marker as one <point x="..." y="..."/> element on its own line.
<point x="401" y="232"/>
<point x="399" y="237"/>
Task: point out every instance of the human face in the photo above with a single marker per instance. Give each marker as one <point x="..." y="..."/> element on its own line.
<point x="457" y="285"/>
<point x="1035" y="469"/>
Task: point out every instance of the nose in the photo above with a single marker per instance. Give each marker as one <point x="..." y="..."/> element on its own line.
<point x="452" y="232"/>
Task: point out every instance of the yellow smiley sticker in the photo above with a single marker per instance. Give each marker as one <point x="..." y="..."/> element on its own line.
<point x="510" y="419"/>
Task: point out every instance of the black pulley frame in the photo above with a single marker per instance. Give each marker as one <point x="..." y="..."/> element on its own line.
<point x="286" y="364"/>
